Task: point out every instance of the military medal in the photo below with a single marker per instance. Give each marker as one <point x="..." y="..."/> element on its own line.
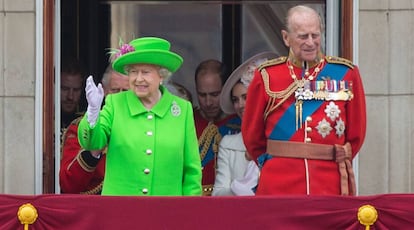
<point x="332" y="111"/>
<point x="337" y="90"/>
<point x="303" y="89"/>
<point x="307" y="91"/>
<point x="340" y="127"/>
<point x="299" y="93"/>
<point x="324" y="128"/>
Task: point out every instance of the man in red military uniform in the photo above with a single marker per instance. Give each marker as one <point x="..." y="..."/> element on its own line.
<point x="305" y="117"/>
<point x="210" y="121"/>
<point x="82" y="171"/>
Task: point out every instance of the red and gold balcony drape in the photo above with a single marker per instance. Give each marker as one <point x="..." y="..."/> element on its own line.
<point x="394" y="211"/>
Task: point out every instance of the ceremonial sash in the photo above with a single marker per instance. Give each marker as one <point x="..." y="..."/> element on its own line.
<point x="211" y="136"/>
<point x="285" y="127"/>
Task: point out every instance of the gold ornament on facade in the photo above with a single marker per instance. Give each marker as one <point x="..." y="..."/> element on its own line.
<point x="27" y="214"/>
<point x="367" y="215"/>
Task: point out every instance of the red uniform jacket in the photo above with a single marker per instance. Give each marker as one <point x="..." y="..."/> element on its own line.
<point x="323" y="121"/>
<point x="79" y="172"/>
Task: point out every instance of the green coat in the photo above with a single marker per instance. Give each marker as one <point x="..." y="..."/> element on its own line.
<point x="149" y="152"/>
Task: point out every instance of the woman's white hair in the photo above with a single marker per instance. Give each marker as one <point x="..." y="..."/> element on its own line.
<point x="162" y="71"/>
<point x="165" y="74"/>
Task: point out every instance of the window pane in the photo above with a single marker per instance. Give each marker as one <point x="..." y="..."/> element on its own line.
<point x="261" y="25"/>
<point x="193" y="29"/>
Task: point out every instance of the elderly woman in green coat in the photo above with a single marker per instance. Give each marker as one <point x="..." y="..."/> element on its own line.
<point x="152" y="146"/>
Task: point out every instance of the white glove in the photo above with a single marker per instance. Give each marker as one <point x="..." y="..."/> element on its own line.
<point x="94" y="96"/>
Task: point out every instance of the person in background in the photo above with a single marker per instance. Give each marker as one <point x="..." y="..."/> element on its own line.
<point x="147" y="155"/>
<point x="183" y="92"/>
<point x="211" y="122"/>
<point x="179" y="90"/>
<point x="80" y="171"/>
<point x="71" y="86"/>
<point x="236" y="173"/>
<point x="307" y="119"/>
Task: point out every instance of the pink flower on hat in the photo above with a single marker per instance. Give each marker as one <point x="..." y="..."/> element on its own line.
<point x="125" y="48"/>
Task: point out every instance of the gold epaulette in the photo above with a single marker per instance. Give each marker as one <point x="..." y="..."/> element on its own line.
<point x="339" y="60"/>
<point x="77" y="120"/>
<point x="275" y="61"/>
<point x="63" y="136"/>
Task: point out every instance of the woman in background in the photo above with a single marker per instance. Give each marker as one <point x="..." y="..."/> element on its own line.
<point x="237" y="174"/>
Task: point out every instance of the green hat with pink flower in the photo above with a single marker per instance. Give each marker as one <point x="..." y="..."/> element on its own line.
<point x="146" y="50"/>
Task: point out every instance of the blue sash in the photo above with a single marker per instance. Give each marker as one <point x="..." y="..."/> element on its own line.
<point x="286" y="127"/>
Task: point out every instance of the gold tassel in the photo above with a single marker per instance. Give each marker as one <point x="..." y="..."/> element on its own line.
<point x="299" y="112"/>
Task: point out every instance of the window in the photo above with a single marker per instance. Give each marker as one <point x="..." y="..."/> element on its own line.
<point x="197" y="30"/>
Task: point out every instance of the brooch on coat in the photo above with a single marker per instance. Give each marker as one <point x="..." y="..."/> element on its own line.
<point x="175" y="109"/>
